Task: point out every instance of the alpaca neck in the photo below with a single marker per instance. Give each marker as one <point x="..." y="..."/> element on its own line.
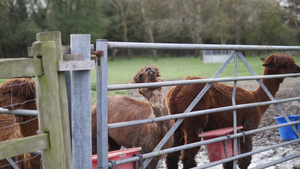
<point x="157" y="103"/>
<point x="273" y="86"/>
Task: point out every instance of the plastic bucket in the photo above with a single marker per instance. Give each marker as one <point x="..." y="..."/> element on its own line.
<point x="119" y="155"/>
<point x="219" y="150"/>
<point x="287" y="133"/>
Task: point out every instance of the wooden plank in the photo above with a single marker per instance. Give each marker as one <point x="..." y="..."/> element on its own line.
<point x="19" y="146"/>
<point x="22" y="67"/>
<point x="64" y="113"/>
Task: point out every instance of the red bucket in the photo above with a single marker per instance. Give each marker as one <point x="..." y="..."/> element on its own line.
<point x="119" y="155"/>
<point x="216" y="151"/>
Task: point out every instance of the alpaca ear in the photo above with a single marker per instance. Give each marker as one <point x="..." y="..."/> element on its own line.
<point x="135" y="79"/>
<point x="269" y="65"/>
<point x="157" y="72"/>
<point x="262" y="59"/>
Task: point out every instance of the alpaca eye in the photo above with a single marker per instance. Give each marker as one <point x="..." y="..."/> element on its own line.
<point x="140" y="77"/>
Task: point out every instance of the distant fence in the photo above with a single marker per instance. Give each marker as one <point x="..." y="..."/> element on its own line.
<point x="216" y="56"/>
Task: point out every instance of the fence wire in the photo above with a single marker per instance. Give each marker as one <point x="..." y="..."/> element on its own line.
<point x="9" y="127"/>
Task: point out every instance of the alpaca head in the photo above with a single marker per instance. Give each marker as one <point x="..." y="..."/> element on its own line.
<point x="146" y="75"/>
<point x="280" y="64"/>
<point x="18" y="94"/>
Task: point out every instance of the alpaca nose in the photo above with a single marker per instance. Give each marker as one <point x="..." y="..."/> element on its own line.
<point x="151" y="72"/>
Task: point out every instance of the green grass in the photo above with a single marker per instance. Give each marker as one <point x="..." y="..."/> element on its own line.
<point x="122" y="70"/>
<point x="174" y="68"/>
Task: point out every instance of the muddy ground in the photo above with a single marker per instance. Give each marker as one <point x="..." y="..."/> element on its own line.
<point x="289" y="88"/>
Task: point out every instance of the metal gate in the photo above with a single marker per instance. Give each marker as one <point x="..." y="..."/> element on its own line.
<point x="102" y="88"/>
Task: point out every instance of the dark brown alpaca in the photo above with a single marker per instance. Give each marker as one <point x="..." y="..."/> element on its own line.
<point x="219" y="95"/>
<point x="18" y="94"/>
<point x="123" y="108"/>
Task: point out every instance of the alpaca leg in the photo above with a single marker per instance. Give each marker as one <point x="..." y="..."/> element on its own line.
<point x="246" y="147"/>
<point x="188" y="156"/>
<point x="113" y="145"/>
<point x="153" y="163"/>
<point x="172" y="159"/>
<point x="192" y="127"/>
<point x="228" y="165"/>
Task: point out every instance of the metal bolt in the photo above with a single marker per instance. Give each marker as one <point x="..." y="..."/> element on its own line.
<point x="66" y="65"/>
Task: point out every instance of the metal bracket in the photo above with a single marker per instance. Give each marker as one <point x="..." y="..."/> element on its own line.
<point x="96" y="53"/>
<point x="75" y="65"/>
<point x="73" y="62"/>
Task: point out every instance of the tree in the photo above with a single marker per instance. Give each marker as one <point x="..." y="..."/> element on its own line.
<point x="17" y="29"/>
<point x="292" y="17"/>
<point x="76" y="17"/>
<point x="122" y="10"/>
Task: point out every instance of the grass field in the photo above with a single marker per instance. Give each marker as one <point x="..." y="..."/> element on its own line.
<point x="174" y="68"/>
<point x="122" y="70"/>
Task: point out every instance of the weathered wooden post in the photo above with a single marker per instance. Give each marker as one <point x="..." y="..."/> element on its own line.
<point x="51" y="102"/>
<point x="81" y="105"/>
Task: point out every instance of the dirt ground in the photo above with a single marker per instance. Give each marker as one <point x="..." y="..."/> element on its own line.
<point x="289" y="88"/>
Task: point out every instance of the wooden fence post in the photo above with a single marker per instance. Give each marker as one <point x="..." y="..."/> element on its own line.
<point x="81" y="105"/>
<point x="52" y="102"/>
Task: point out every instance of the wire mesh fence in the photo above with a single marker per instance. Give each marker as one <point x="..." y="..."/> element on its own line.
<point x="18" y="94"/>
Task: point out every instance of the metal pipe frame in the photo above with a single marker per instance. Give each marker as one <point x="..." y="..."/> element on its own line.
<point x="236" y="53"/>
<point x="197" y="113"/>
<point x="278" y="161"/>
<point x="195" y="81"/>
<point x="22" y="112"/>
<point x="218" y="139"/>
<point x="181" y="46"/>
<point x="250" y="153"/>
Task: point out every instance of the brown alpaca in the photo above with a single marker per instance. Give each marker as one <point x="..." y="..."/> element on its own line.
<point x="123" y="108"/>
<point x="219" y="95"/>
<point x="18" y="94"/>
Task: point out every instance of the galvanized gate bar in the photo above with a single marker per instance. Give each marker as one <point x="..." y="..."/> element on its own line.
<point x="22" y="112"/>
<point x="247" y="154"/>
<point x="195" y="81"/>
<point x="197" y="113"/>
<point x="218" y="139"/>
<point x="234" y="111"/>
<point x="81" y="105"/>
<point x="181" y="46"/>
<point x="102" y="131"/>
<point x="125" y="45"/>
<point x="278" y="161"/>
<point x="12" y="163"/>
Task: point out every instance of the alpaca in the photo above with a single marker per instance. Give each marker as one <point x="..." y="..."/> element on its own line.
<point x="123" y="108"/>
<point x="18" y="94"/>
<point x="219" y="95"/>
